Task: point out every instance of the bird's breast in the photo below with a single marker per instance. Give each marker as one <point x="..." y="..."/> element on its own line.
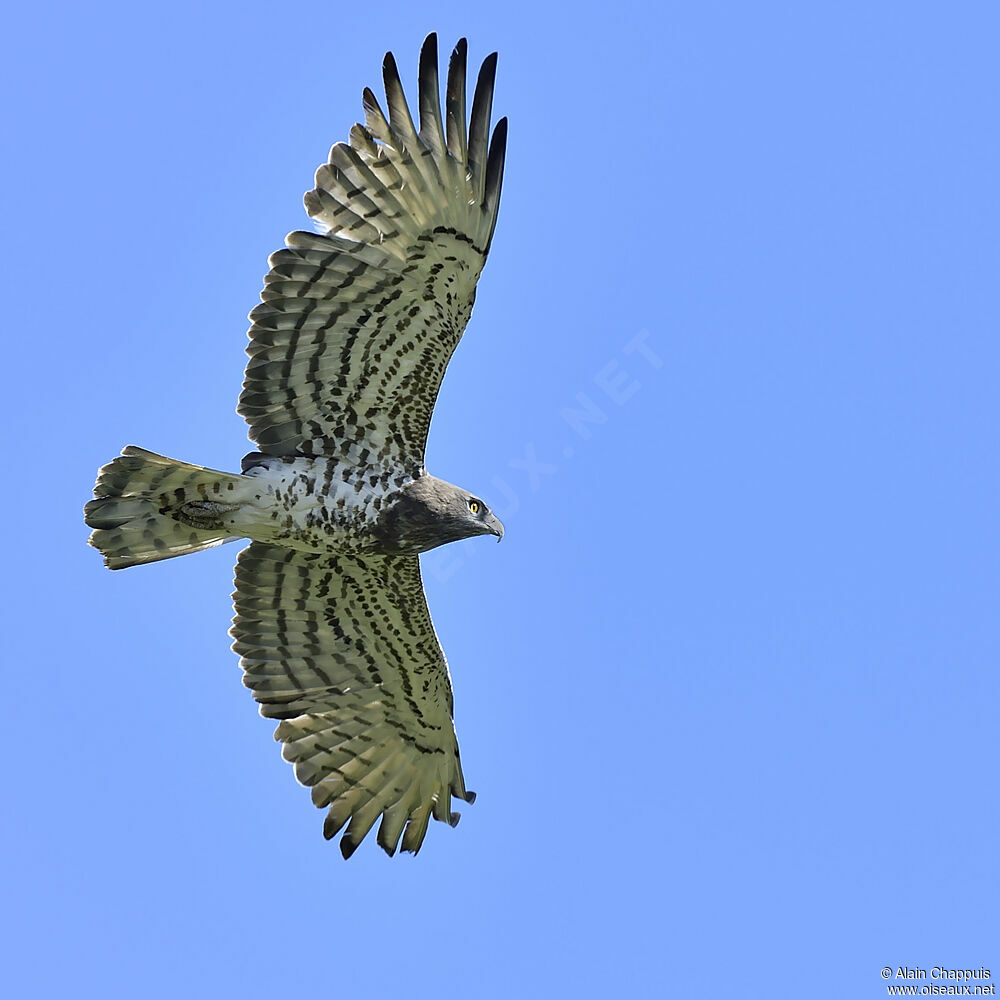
<point x="314" y="504"/>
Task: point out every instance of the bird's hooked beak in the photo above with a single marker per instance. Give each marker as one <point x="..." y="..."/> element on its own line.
<point x="494" y="526"/>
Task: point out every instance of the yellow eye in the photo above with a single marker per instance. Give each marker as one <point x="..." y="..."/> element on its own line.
<point x="474" y="506"/>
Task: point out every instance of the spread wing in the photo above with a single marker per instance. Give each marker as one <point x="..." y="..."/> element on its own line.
<point x="342" y="650"/>
<point x="357" y="325"/>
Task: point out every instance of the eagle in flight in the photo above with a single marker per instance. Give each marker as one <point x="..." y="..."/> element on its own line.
<point x="347" y="351"/>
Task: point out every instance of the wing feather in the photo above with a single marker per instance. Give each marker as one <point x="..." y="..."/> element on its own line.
<point x="479" y="125"/>
<point x="400" y="120"/>
<point x="458" y="142"/>
<point x="494" y="173"/>
<point x="431" y="130"/>
<point x="358" y="323"/>
<point x="342" y="651"/>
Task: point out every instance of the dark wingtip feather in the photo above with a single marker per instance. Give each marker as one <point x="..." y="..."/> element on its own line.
<point x="429" y="100"/>
<point x="428" y="58"/>
<point x="400" y="118"/>
<point x="494" y="165"/>
<point x="494" y="175"/>
<point x="429" y="50"/>
<point x="458" y="142"/>
<point x="369" y="101"/>
<point x="389" y="66"/>
<point x="479" y="122"/>
<point x="347" y="846"/>
<point x="489" y="68"/>
<point x="330" y="827"/>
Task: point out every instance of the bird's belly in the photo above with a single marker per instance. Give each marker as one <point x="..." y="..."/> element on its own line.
<point x="308" y="504"/>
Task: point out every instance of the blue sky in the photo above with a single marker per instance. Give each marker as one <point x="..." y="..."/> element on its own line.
<point x="727" y="690"/>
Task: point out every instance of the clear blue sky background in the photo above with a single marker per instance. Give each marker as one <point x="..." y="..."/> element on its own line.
<point x="728" y="689"/>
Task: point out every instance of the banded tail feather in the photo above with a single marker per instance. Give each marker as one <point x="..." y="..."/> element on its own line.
<point x="147" y="507"/>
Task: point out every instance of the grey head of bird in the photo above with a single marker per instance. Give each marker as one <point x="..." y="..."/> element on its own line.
<point x="429" y="512"/>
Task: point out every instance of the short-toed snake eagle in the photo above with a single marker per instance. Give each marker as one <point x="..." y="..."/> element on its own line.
<point x="347" y="351"/>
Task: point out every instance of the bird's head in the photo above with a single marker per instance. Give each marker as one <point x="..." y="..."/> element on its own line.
<point x="429" y="512"/>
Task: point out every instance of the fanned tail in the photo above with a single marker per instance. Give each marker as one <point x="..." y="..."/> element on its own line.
<point x="147" y="507"/>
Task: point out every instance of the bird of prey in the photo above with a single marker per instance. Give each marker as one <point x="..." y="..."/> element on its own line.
<point x="347" y="351"/>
